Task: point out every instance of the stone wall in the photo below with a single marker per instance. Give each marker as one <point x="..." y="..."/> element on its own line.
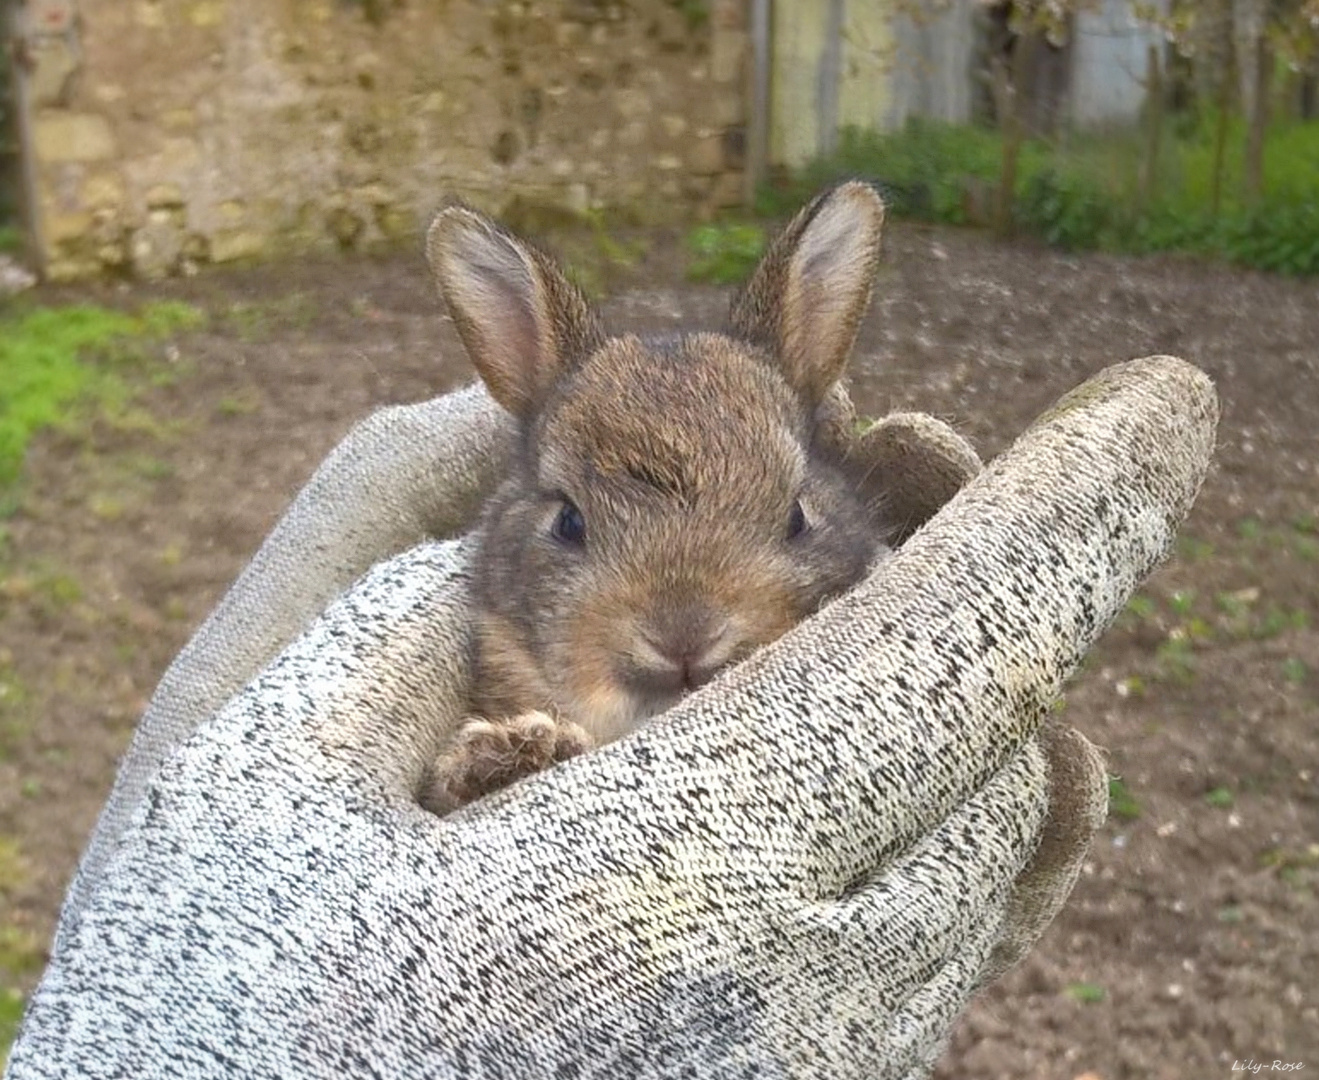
<point x="166" y="133"/>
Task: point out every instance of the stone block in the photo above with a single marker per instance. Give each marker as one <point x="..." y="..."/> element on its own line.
<point x="673" y="125"/>
<point x="206" y="13"/>
<point x="149" y="14"/>
<point x="315" y="11"/>
<point x="727" y="191"/>
<point x="632" y="104"/>
<point x="725" y="109"/>
<point x="107" y="226"/>
<point x="155" y="249"/>
<point x="52" y="65"/>
<point x="230" y="244"/>
<point x="728" y="49"/>
<point x="374" y="194"/>
<point x="59" y="226"/>
<point x="68" y="136"/>
<point x="177" y="120"/>
<point x="578" y="198"/>
<point x="111" y="255"/>
<point x="397" y="223"/>
<point x="66" y="267"/>
<point x="177" y="161"/>
<point x="728" y="14"/>
<point x="164" y="196"/>
<point x="706" y="156"/>
<point x="102" y="189"/>
<point x="632" y="134"/>
<point x="345" y="226"/>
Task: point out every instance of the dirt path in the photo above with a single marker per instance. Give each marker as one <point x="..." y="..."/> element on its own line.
<point x="1192" y="940"/>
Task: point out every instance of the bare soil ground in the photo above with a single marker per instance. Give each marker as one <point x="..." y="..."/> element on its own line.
<point x="1191" y="944"/>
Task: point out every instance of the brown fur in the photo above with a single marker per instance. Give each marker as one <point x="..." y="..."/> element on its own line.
<point x="684" y="456"/>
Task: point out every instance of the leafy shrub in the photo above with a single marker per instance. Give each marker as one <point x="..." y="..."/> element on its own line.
<point x="1065" y="210"/>
<point x="922" y="171"/>
<point x="1087" y="192"/>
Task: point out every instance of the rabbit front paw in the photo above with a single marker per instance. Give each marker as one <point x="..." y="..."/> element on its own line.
<point x="487" y="755"/>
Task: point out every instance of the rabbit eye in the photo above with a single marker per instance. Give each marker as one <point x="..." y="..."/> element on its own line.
<point x="569" y="526"/>
<point x="796" y="520"/>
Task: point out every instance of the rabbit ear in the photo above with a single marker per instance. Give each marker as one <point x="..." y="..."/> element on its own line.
<point x="806" y="298"/>
<point x="519" y="317"/>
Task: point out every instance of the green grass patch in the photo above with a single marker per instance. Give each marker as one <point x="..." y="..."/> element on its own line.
<point x="1122" y="803"/>
<point x="1086" y="993"/>
<point x="15" y="722"/>
<point x="12" y="1005"/>
<point x="724" y="253"/>
<point x="1294" y="670"/>
<point x="1175" y="657"/>
<point x="1221" y="798"/>
<point x="56" y="359"/>
<point x="13" y="867"/>
<point x="1193" y="549"/>
<point x="1141" y="607"/>
<point x="22" y="953"/>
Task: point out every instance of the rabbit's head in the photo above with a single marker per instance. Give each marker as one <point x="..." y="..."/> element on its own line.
<point x="673" y="503"/>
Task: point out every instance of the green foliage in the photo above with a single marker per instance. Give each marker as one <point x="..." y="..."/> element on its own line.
<point x="1141" y="607"/>
<point x="21" y="957"/>
<point x="1294" y="670"/>
<point x="44" y="354"/>
<point x="12" y="1005"/>
<point x="11" y="239"/>
<point x="15" y="721"/>
<point x="724" y="253"/>
<point x="1121" y="803"/>
<point x="696" y="12"/>
<point x="1182" y="601"/>
<point x="1086" y="993"/>
<point x="1088" y="192"/>
<point x="922" y="171"/>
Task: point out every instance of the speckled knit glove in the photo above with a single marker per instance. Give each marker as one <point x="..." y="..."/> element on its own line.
<point x="803" y="870"/>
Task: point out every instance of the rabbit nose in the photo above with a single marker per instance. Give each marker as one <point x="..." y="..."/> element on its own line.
<point x="689" y="646"/>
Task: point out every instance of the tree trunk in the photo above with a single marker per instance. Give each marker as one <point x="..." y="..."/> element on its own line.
<point x="1254" y="67"/>
<point x="1008" y="106"/>
<point x="1211" y="42"/>
<point x="1149" y="179"/>
<point x="1220" y="145"/>
<point x="1258" y="125"/>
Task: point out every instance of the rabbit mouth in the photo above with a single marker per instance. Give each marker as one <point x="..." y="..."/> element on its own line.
<point x="670" y="682"/>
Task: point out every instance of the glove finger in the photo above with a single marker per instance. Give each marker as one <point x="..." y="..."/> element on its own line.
<point x="913" y="464"/>
<point x="1078" y="806"/>
<point x="872" y="954"/>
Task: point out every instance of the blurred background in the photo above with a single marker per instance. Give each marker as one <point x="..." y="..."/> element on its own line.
<point x="211" y="215"/>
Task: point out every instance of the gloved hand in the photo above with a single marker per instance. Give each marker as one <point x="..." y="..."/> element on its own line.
<point x="805" y="869"/>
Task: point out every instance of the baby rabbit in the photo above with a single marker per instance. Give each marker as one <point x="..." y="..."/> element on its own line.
<point x="673" y="503"/>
